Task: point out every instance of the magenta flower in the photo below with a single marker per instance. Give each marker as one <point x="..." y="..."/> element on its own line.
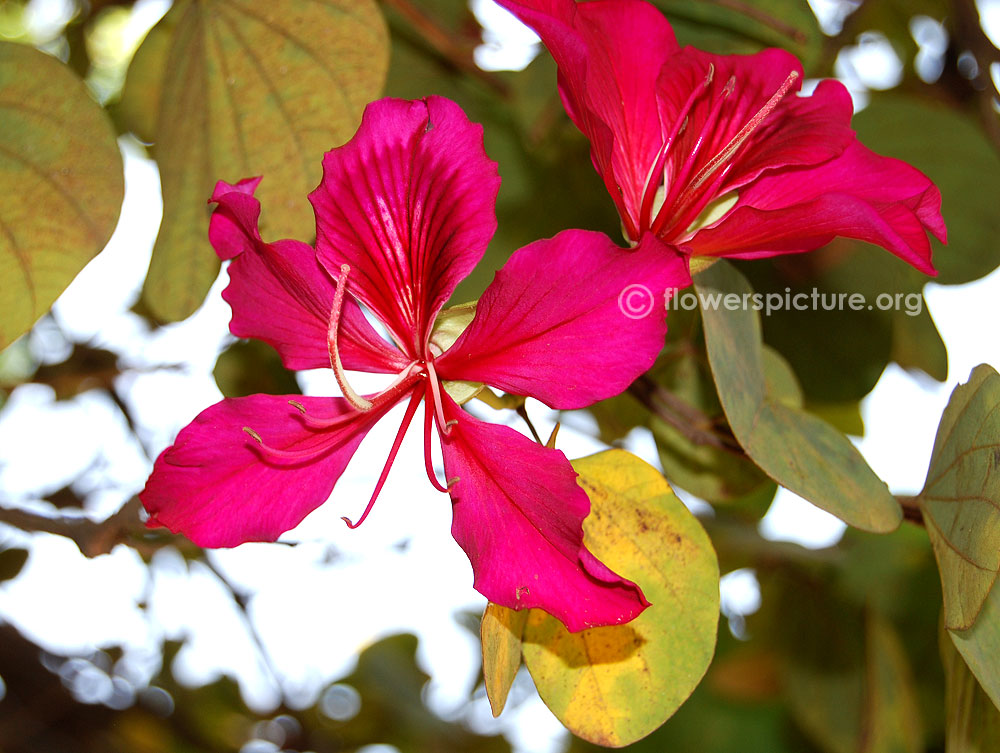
<point x="716" y="154"/>
<point x="404" y="212"/>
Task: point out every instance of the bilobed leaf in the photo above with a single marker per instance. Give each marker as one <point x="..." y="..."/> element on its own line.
<point x="798" y="450"/>
<point x="614" y="685"/>
<point x="61" y="181"/>
<point x="972" y="722"/>
<point x="961" y="497"/>
<point x="248" y="87"/>
<point x="500" y="633"/>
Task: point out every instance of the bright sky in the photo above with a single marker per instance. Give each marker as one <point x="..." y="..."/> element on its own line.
<point x="318" y="603"/>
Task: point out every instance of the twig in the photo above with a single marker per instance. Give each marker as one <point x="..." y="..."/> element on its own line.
<point x="688" y="420"/>
<point x="442" y="42"/>
<point x="764" y="18"/>
<point x="911" y="510"/>
<point x="93" y="538"/>
<point x="242" y="603"/>
<point x="969" y="30"/>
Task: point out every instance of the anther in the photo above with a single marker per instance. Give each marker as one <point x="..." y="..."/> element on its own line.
<point x="294" y="456"/>
<point x="298" y="406"/>
<point x="452" y="481"/>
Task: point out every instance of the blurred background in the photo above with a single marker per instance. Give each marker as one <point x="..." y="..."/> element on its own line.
<point x="115" y="638"/>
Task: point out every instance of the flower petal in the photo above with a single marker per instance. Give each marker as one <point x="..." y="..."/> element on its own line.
<point x="280" y="294"/>
<point x="858" y="195"/>
<point x="408" y="203"/>
<point x="570" y="320"/>
<point x="220" y="488"/>
<point x="518" y="514"/>
<point x="609" y="56"/>
<point x="729" y="91"/>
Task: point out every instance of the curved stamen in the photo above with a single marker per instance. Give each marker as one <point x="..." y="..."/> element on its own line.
<point x="738" y="140"/>
<point x="403" y="381"/>
<point x="293" y="456"/>
<point x="428" y="421"/>
<point x="321" y="423"/>
<point x="332" y="344"/>
<point x="443" y="426"/>
<point x="411" y="408"/>
<point x="652" y="180"/>
<point x="677" y="186"/>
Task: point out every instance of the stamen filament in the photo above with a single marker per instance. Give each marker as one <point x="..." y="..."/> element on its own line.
<point x="648" y="197"/>
<point x="744" y="133"/>
<point x="295" y="456"/>
<point x="411" y="408"/>
<point x="677" y="186"/>
<point x="332" y="344"/>
<point x="443" y="426"/>
<point x="428" y="422"/>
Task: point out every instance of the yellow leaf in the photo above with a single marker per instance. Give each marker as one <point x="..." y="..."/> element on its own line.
<point x="232" y="89"/>
<point x="500" y="633"/>
<point x="61" y="180"/>
<point x="615" y="685"/>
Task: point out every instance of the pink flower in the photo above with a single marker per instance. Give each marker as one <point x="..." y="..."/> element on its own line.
<point x="716" y="154"/>
<point x="404" y="212"/>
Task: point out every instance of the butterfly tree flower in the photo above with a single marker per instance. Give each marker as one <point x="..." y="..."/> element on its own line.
<point x="717" y="154"/>
<point x="404" y="212"/>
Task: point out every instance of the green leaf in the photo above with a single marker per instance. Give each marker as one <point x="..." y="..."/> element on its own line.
<point x="798" y="450"/>
<point x="980" y="646"/>
<point x="952" y="149"/>
<point x="248" y="87"/>
<point x="713" y="473"/>
<point x="972" y="722"/>
<point x="500" y="633"/>
<point x="724" y="27"/>
<point x="960" y="500"/>
<point x="248" y="367"/>
<point x="61" y="179"/>
<point x="614" y="685"/>
<point x="847" y="678"/>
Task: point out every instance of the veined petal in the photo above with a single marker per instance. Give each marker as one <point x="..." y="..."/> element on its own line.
<point x="219" y="487"/>
<point x="609" y="54"/>
<point x="408" y="203"/>
<point x="570" y="320"/>
<point x="280" y="294"/>
<point x="518" y="514"/>
<point x="797" y="131"/>
<point x="858" y="195"/>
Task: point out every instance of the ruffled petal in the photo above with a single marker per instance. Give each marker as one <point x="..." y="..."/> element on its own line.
<point x="408" y="203"/>
<point x="570" y="320"/>
<point x="280" y="294"/>
<point x="728" y="91"/>
<point x="609" y="55"/>
<point x="518" y="514"/>
<point x="858" y="195"/>
<point x="220" y="488"/>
